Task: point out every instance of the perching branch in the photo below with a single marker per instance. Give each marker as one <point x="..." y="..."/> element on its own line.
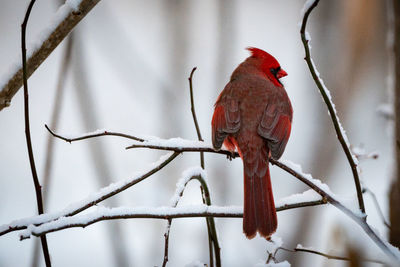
<point x="310" y="182"/>
<point x="71" y="19"/>
<point x="328" y="101"/>
<point x="38" y="188"/>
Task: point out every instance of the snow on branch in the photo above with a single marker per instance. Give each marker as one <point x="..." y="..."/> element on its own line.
<point x="323" y="190"/>
<point x="65" y="19"/>
<point x="187" y="175"/>
<point x="91" y="200"/>
<point x="340" y="132"/>
<point x="102" y="213"/>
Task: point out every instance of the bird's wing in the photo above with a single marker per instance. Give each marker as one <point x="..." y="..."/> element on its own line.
<point x="275" y="126"/>
<point x="226" y="120"/>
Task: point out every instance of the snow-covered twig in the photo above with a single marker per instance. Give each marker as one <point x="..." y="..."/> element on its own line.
<point x="324" y="191"/>
<point x="37" y="186"/>
<point x="66" y="18"/>
<point x="91" y="200"/>
<point x="305" y="38"/>
<point x="189" y="211"/>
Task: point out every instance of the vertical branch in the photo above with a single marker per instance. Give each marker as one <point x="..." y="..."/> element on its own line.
<point x="166" y="242"/>
<point x="395" y="188"/>
<point x="212" y="232"/>
<point x="38" y="190"/>
<point x="196" y="124"/>
<point x="326" y="96"/>
<point x="55" y="114"/>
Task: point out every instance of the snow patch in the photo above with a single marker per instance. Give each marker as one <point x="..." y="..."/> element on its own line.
<point x="172" y="143"/>
<point x="181" y="184"/>
<point x="306" y="7"/>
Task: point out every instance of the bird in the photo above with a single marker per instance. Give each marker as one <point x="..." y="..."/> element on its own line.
<point x="253" y="115"/>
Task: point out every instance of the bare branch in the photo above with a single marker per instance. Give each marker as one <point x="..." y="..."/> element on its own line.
<point x="378" y="207"/>
<point x="38" y="188"/>
<point x="328" y="101"/>
<point x="8" y="91"/>
<point x="92" y="135"/>
<point x="192" y="105"/>
<point x="328" y="256"/>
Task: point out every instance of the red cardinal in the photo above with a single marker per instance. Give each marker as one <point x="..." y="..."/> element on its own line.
<point x="253" y="114"/>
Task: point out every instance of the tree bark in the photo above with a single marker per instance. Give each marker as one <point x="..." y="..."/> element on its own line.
<point x="395" y="188"/>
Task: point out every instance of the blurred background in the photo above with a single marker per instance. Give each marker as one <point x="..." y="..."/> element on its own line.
<point x="128" y="69"/>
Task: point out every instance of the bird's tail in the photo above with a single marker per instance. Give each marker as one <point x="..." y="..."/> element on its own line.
<point x="259" y="208"/>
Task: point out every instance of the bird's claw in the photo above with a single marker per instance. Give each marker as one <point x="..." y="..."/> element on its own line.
<point x="230" y="156"/>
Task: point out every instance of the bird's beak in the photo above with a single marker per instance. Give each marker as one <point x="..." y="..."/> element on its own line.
<point x="281" y="73"/>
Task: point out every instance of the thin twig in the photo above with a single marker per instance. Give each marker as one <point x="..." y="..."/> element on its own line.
<point x="329" y="104"/>
<point x="55" y="114"/>
<point x="36" y="183"/>
<point x="212" y="232"/>
<point x="166" y="242"/>
<point x="65" y="26"/>
<point x="70" y="140"/>
<point x="378" y="207"/>
<point x="165" y="213"/>
<point x="328" y="256"/>
<point x="196" y="124"/>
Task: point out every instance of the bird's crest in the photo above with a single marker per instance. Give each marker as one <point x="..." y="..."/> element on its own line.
<point x="261" y="54"/>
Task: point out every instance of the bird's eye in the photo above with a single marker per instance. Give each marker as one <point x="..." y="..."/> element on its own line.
<point x="275" y="71"/>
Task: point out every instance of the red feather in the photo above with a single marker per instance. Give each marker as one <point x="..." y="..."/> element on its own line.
<point x="253" y="114"/>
